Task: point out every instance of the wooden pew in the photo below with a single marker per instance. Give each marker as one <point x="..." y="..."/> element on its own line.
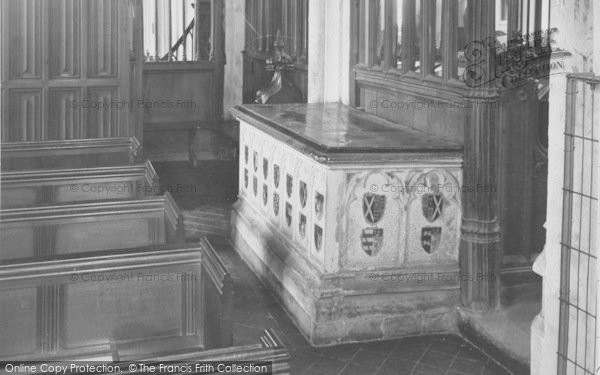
<point x="81" y="304"/>
<point x="73" y="153"/>
<point x="36" y="232"/>
<point x="270" y="350"/>
<point x="38" y="187"/>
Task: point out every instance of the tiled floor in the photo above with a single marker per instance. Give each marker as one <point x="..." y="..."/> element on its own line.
<point x="255" y="309"/>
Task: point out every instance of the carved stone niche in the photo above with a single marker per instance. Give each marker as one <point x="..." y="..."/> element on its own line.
<point x="281" y="89"/>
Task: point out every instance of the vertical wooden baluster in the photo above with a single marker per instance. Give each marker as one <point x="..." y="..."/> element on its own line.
<point x="427" y="37"/>
<point x="449" y="39"/>
<point x="156" y="53"/>
<point x="549" y="24"/>
<point x="527" y="29"/>
<point x="284" y="25"/>
<point x="295" y="27"/>
<point x="260" y="24"/>
<point x="184" y="57"/>
<point x="268" y="21"/>
<point x="408" y="35"/>
<point x="170" y="24"/>
<point x="537" y="32"/>
<point x="304" y="21"/>
<point x="388" y="38"/>
<point x="513" y="23"/>
<point x="197" y="42"/>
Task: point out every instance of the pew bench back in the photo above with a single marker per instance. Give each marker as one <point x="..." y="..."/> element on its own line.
<point x="81" y="304"/>
<point x="73" y="153"/>
<point x="52" y="186"/>
<point x="47" y="231"/>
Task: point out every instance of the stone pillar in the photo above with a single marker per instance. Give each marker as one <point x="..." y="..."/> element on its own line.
<point x="328" y="51"/>
<point x="578" y="35"/>
<point x="480" y="256"/>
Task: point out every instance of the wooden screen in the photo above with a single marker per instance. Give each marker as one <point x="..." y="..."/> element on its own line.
<point x="69" y="69"/>
<point x="264" y="18"/>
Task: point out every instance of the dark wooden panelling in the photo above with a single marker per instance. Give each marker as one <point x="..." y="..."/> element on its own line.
<point x="65" y="45"/>
<point x="178" y="98"/>
<point x="19" y="314"/>
<point x="138" y="304"/>
<point x="25" y="38"/>
<point x="103" y="38"/>
<point x="81" y="303"/>
<point x="25" y="121"/>
<point x="104" y="113"/>
<point x="65" y="114"/>
<point x="60" y="50"/>
<point x="425" y="111"/>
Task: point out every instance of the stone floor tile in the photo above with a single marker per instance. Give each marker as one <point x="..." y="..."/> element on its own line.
<point x="423" y="369"/>
<point x="327" y="366"/>
<point x="352" y="369"/>
<point x="343" y="352"/>
<point x="437" y="359"/>
<point x="467" y="366"/>
<point x="369" y="358"/>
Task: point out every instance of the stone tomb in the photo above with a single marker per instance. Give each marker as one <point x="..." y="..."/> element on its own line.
<point x="352" y="220"/>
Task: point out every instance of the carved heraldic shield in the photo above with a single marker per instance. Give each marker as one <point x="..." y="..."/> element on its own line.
<point x="432" y="205"/>
<point x="373" y="207"/>
<point x="371" y="240"/>
<point x="430" y="238"/>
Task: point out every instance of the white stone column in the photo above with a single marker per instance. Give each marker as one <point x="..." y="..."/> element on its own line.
<point x="582" y="40"/>
<point x="235" y="36"/>
<point x="328" y="51"/>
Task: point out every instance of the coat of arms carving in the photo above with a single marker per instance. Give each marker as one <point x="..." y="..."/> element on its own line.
<point x="276" y="204"/>
<point x="289" y="185"/>
<point x="430" y="238"/>
<point x="246" y="152"/>
<point x="246" y="178"/>
<point x="276" y="175"/>
<point x="265" y="168"/>
<point x="432" y="205"/>
<point x="265" y="194"/>
<point x="373" y="207"/>
<point x="255" y="185"/>
<point x="303" y="192"/>
<point x="371" y="240"/>
<point x="319" y="204"/>
<point x="255" y="160"/>
<point x="318" y="237"/>
<point x="302" y="226"/>
<point x="288" y="214"/>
